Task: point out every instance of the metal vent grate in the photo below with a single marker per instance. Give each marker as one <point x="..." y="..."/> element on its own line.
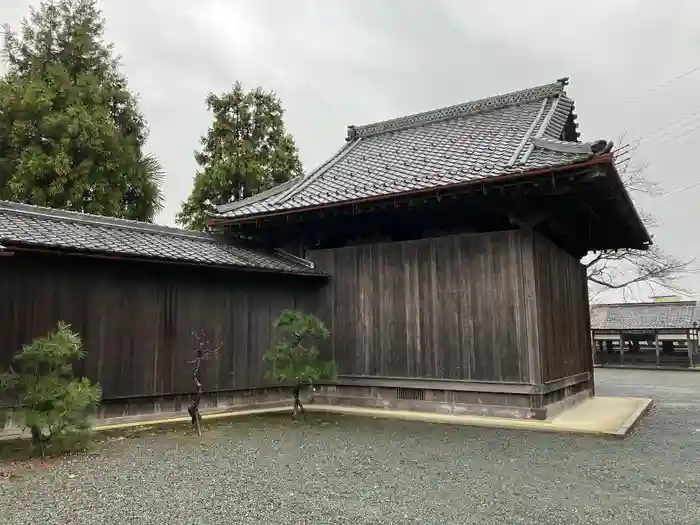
<point x="412" y="394"/>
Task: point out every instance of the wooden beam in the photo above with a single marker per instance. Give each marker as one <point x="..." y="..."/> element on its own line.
<point x="460" y="385"/>
<point x="528" y="221"/>
<point x="565" y="382"/>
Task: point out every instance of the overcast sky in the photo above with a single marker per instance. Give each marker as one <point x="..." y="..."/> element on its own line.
<point x="335" y="63"/>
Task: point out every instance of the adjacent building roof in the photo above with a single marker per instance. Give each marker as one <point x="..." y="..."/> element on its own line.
<point x="518" y="132"/>
<point x="644" y="316"/>
<point x="23" y="225"/>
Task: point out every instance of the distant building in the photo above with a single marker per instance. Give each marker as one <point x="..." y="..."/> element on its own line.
<point x="661" y="333"/>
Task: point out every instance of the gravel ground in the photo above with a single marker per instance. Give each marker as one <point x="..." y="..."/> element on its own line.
<point x="367" y="471"/>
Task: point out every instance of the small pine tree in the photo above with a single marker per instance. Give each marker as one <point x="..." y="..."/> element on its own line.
<point x="49" y="401"/>
<point x="295" y="357"/>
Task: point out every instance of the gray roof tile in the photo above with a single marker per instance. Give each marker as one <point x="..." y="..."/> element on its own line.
<point x="23" y="224"/>
<point x="642" y="316"/>
<point x="511" y="133"/>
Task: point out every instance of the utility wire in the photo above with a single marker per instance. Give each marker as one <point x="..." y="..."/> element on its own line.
<point x="631" y="148"/>
<point x="655" y="89"/>
<point x="678" y="190"/>
<point x="676" y="137"/>
<point x="646" y="136"/>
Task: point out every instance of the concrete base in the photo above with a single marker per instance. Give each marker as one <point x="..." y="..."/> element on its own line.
<point x="456" y="398"/>
<point x="612" y="416"/>
<point x="652" y="367"/>
<point x="605" y="416"/>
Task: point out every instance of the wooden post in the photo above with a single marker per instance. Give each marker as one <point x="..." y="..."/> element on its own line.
<point x="693" y="343"/>
<point x="689" y="343"/>
<point x="622" y="350"/>
<point x="656" y="347"/>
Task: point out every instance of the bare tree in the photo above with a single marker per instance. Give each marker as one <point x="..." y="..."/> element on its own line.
<point x="202" y="352"/>
<point x="622" y="269"/>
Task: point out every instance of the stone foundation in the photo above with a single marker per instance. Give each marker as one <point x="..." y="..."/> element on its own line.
<point x="210" y="403"/>
<point x="511" y="400"/>
<point x="507" y="400"/>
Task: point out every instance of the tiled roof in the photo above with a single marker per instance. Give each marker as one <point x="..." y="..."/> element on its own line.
<point x="34" y="226"/>
<point x="512" y="133"/>
<point x="642" y="316"/>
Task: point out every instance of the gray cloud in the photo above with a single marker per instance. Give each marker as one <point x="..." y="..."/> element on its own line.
<point x="354" y="62"/>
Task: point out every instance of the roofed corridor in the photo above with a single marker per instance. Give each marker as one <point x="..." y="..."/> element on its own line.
<point x="661" y="334"/>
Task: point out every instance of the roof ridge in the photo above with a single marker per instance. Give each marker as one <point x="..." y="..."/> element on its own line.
<point x="544" y="126"/>
<point x="320" y="170"/>
<point x="564" y="146"/>
<point x="528" y="134"/>
<point x="18" y="208"/>
<point x="459" y="110"/>
<point x="271" y="192"/>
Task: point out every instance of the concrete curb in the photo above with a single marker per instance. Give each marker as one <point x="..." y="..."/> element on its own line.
<point x="145" y="423"/>
<point x="475" y="421"/>
<point x="644" y="367"/>
<point x="631" y="422"/>
<point x="428" y="417"/>
<point x="187" y="419"/>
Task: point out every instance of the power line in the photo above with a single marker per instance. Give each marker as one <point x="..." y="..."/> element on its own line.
<point x="678" y="190"/>
<point x="653" y="90"/>
<point x="631" y="148"/>
<point x="653" y="145"/>
<point x="646" y="136"/>
<point x="691" y="130"/>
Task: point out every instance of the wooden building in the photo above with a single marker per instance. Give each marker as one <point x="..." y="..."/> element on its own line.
<point x="453" y="239"/>
<point x="661" y="333"/>
<point x="442" y="250"/>
<point x="136" y="293"/>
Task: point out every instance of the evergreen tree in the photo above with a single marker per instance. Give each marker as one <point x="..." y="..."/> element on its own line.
<point x="295" y="359"/>
<point x="71" y="135"/>
<point x="246" y="150"/>
<point x="49" y="401"/>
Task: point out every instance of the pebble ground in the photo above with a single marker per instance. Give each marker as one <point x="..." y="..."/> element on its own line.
<point x="346" y="470"/>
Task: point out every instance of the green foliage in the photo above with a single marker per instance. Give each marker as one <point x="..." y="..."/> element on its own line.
<point x="246" y="150"/>
<point x="48" y="399"/>
<point x="295" y="358"/>
<point x="71" y="135"/>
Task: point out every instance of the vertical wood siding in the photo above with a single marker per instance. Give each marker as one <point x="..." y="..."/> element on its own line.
<point x="506" y="307"/>
<point x="455" y="307"/>
<point x="503" y="306"/>
<point x="136" y="319"/>
<point x="563" y="312"/>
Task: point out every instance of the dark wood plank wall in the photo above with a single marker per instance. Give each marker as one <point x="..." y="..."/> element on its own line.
<point x="562" y="305"/>
<point x="136" y="319"/>
<point x="455" y="307"/>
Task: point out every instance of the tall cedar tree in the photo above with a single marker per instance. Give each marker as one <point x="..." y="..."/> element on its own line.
<point x="71" y="135"/>
<point x="247" y="150"/>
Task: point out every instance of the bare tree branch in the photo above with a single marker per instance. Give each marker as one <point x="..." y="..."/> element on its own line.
<point x="202" y="352"/>
<point x="622" y="269"/>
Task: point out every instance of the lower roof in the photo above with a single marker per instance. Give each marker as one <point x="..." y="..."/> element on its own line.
<point x="33" y="227"/>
